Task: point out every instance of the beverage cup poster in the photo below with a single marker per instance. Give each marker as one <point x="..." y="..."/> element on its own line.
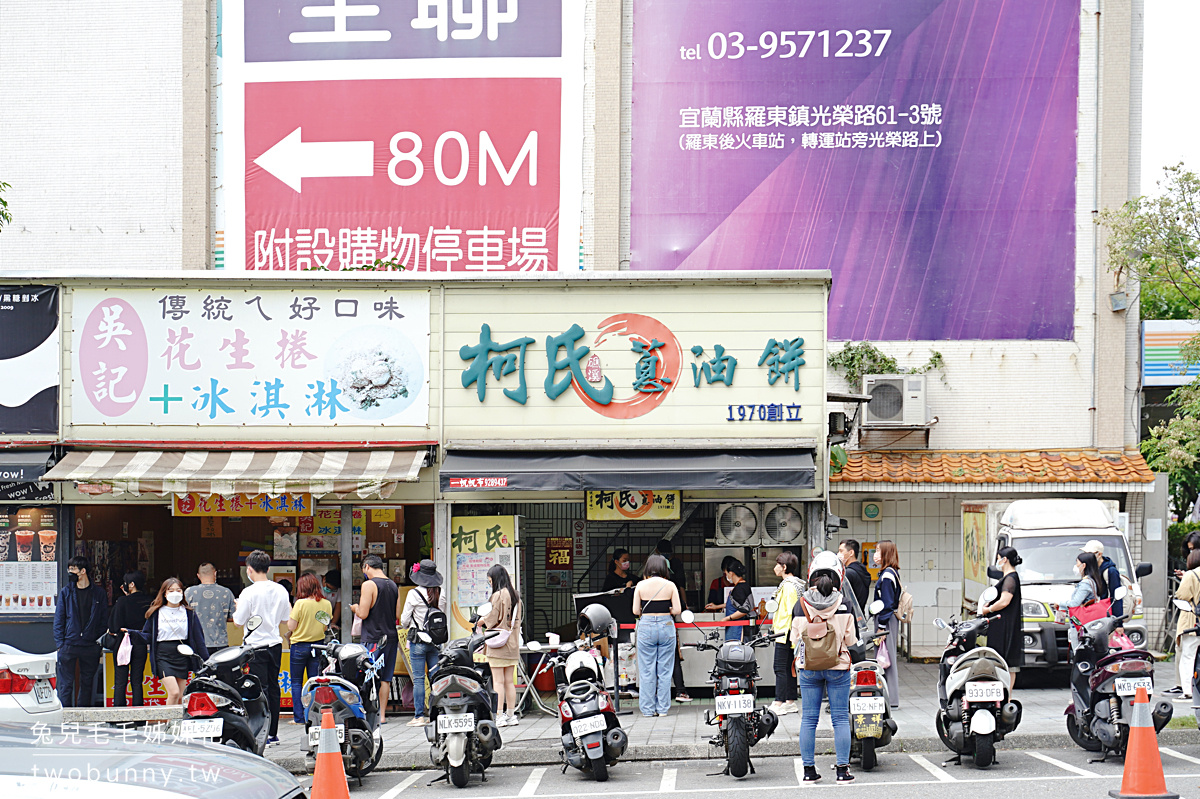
<point x="428" y="135"/>
<point x="27" y="587"/>
<point x="924" y="151"/>
<point x="264" y="357"/>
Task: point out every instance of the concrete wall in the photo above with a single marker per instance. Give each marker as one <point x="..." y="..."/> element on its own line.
<point x="94" y="135"/>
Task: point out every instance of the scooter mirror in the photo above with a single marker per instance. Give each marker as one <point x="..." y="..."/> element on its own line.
<point x="184" y="649"/>
<point x="875" y="608"/>
<point x="533" y="646"/>
<point x="1182" y="604"/>
<point x="941" y="625"/>
<point x="1120" y="593"/>
<point x="484" y="609"/>
<point x="253" y="623"/>
<point x="687" y="617"/>
<point x="989" y="595"/>
<point x="323" y="618"/>
<point x="772" y="606"/>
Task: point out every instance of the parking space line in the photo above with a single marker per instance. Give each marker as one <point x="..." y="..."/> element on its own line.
<point x="932" y="769"/>
<point x="531" y="785"/>
<point x="1064" y="766"/>
<point x="408" y="782"/>
<point x="799" y="764"/>
<point x="1179" y="755"/>
<point x="668" y="781"/>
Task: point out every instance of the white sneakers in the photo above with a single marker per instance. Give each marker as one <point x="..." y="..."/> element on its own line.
<point x="784" y="708"/>
<point x="419" y="721"/>
<point x="503" y="720"/>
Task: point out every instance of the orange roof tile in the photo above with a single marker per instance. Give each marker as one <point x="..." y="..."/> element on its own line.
<point x="942" y="466"/>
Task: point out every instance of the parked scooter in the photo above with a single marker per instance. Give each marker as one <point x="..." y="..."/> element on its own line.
<point x="871" y="722"/>
<point x="1104" y="684"/>
<point x="462" y="730"/>
<point x="348" y="685"/>
<point x="225" y="704"/>
<point x="592" y="738"/>
<point x="740" y="722"/>
<point x="976" y="708"/>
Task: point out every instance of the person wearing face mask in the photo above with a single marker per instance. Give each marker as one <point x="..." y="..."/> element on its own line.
<point x="213" y="604"/>
<point x="129" y="611"/>
<point x="1004" y="633"/>
<point x="79" y="619"/>
<point x="619" y="575"/>
<point x="887" y="590"/>
<point x="170" y="623"/>
<point x="331" y="586"/>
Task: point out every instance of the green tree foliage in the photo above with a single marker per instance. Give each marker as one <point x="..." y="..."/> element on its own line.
<point x="5" y="214"/>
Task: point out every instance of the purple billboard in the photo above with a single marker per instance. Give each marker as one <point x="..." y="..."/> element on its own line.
<point x="924" y="151"/>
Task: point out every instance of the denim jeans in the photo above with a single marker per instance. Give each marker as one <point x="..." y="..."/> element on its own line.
<point x="423" y="657"/>
<point x="656" y="661"/>
<point x="305" y="664"/>
<point x="837" y="682"/>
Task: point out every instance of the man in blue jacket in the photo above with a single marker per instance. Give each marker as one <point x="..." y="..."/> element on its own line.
<point x="80" y="618"/>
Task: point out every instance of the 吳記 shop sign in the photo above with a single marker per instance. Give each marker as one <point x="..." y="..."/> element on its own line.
<point x="260" y="357"/>
<point x="726" y="360"/>
<point x="603" y="506"/>
<point x="242" y="505"/>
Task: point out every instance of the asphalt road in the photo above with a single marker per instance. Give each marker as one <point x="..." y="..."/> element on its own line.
<point x="1048" y="773"/>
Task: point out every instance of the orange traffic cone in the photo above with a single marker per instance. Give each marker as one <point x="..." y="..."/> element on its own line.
<point x="329" y="777"/>
<point x="1143" y="766"/>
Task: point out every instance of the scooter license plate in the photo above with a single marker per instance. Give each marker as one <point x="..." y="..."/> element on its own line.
<point x="867" y="704"/>
<point x="739" y="703"/>
<point x="314" y="735"/>
<point x="582" y="727"/>
<point x="1127" y="686"/>
<point x="463" y="723"/>
<point x="200" y="728"/>
<point x="985" y="692"/>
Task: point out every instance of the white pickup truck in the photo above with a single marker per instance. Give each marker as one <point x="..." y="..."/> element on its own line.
<point x="1048" y="534"/>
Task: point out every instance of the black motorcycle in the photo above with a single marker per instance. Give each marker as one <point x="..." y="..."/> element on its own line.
<point x="740" y="722"/>
<point x="1103" y="686"/>
<point x="224" y="703"/>
<point x="592" y="738"/>
<point x="461" y="728"/>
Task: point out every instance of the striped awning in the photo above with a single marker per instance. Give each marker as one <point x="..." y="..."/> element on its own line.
<point x="339" y="473"/>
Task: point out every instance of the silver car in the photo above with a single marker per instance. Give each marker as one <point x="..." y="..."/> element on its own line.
<point x="27" y="687"/>
<point x="101" y="762"/>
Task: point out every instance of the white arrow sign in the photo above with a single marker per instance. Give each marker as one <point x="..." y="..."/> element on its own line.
<point x="292" y="160"/>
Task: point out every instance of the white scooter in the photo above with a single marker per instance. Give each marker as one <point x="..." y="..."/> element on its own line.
<point x="976" y="708"/>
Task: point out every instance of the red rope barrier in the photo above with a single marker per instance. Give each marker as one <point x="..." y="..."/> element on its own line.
<point x="739" y="623"/>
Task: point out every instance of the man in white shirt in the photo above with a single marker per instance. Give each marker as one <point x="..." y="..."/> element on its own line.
<point x="269" y="601"/>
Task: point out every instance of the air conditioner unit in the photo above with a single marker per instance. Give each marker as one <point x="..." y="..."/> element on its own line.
<point x="896" y="400"/>
<point x="739" y="525"/>
<point x="784" y="525"/>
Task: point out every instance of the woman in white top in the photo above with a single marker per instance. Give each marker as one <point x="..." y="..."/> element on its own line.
<point x="170" y="622"/>
<point x="428" y="594"/>
<point x="655" y="601"/>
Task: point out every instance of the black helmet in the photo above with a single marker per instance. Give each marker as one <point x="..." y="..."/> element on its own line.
<point x="595" y="620"/>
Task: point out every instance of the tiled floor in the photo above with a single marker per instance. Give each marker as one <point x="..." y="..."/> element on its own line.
<point x="1043" y="713"/>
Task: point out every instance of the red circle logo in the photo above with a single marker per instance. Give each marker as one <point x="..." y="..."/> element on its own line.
<point x="645" y="329"/>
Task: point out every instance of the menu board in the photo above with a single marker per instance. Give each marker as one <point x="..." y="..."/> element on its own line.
<point x="28" y="560"/>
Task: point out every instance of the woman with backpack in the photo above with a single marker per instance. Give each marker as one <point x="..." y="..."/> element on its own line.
<point x="888" y="589"/>
<point x="424" y="610"/>
<point x="823" y="631"/>
<point x="503" y="650"/>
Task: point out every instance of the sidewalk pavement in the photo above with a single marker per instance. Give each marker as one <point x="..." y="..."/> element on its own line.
<point x="682" y="734"/>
